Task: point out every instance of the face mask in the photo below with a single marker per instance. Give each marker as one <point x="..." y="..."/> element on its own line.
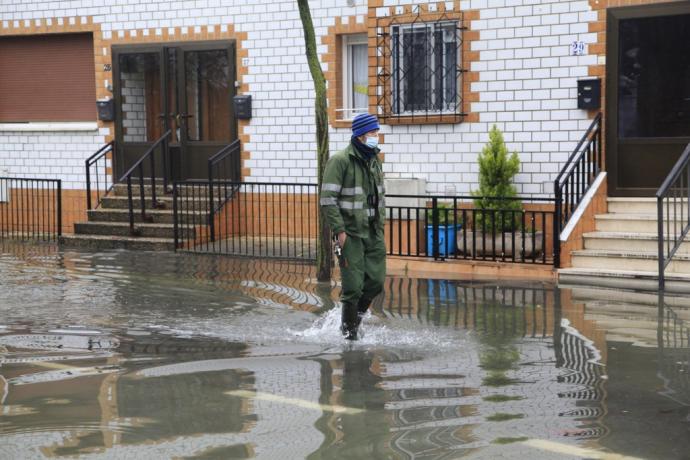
<point x="372" y="142"/>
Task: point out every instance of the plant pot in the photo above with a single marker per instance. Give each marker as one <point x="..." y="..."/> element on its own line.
<point x="484" y="244"/>
<point x="446" y="239"/>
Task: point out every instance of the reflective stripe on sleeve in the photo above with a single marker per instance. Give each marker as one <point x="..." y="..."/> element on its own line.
<point x="329" y="201"/>
<point x="331" y="187"/>
<point x="350" y="205"/>
<point x="352" y="191"/>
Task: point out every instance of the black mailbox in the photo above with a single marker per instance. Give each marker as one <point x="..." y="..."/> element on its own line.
<point x="589" y="94"/>
<point x="106" y="109"/>
<point x="243" y="106"/>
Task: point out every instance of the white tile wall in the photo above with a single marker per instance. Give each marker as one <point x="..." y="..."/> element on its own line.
<point x="527" y="84"/>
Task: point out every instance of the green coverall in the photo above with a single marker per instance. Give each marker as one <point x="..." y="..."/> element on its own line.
<point x="352" y="199"/>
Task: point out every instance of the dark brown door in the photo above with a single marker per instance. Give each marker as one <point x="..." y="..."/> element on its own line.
<point x="185" y="88"/>
<point x="648" y="95"/>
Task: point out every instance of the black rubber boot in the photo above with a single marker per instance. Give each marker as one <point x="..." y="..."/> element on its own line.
<point x="362" y="307"/>
<point x="349" y="321"/>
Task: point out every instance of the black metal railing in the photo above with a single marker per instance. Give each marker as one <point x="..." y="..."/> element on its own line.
<point x="147" y="160"/>
<point x="99" y="167"/>
<point x="451" y="227"/>
<point x="223" y="169"/>
<point x="30" y="208"/>
<point x="673" y="212"/>
<point x="578" y="173"/>
<point x="261" y="220"/>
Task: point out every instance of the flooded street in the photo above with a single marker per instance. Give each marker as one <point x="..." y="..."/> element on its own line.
<point x="148" y="355"/>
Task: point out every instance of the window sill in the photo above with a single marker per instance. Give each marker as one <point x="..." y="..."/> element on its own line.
<point x="423" y="119"/>
<point x="341" y="123"/>
<point x="49" y="126"/>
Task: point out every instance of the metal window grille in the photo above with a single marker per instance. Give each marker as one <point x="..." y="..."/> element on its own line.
<point x="419" y="71"/>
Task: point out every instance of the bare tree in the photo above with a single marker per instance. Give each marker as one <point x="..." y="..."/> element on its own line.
<point x="324" y="256"/>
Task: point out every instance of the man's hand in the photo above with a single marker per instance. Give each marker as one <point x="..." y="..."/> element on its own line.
<point x="342" y="236"/>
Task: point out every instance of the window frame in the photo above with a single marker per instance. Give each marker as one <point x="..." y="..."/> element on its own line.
<point x="346" y="73"/>
<point x="398" y="62"/>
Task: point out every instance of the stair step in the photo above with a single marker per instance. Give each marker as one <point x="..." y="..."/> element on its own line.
<point x="631" y="260"/>
<point x="164" y="202"/>
<point x="121" y="190"/>
<point x="157" y="216"/>
<point x="640" y="205"/>
<point x="638" y="280"/>
<point x="626" y="241"/>
<point x="117" y="242"/>
<point x="629" y="223"/>
<point x="122" y="229"/>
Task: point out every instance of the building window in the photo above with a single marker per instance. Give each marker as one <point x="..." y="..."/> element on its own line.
<point x="355" y="77"/>
<point x="419" y="70"/>
<point x="47" y="78"/>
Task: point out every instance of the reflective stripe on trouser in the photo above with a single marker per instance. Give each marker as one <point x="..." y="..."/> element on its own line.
<point x="363" y="268"/>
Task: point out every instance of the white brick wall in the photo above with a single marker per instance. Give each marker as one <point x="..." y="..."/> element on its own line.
<point x="527" y="86"/>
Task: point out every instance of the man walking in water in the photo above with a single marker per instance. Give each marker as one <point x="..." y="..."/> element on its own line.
<point x="352" y="199"/>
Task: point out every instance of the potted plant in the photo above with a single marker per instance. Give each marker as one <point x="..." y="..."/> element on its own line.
<point x="445" y="215"/>
<point x="498" y="211"/>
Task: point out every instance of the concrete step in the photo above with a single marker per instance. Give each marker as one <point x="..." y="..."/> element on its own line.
<point x="121" y="202"/>
<point x="635" y="261"/>
<point x="157" y="216"/>
<point x="616" y="278"/>
<point x="629" y="223"/>
<point x="100" y="242"/>
<point x="122" y="229"/>
<point x="618" y="205"/>
<point x="626" y="241"/>
<point x="120" y="190"/>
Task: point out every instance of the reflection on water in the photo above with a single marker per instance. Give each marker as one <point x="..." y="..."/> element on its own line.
<point x="107" y="355"/>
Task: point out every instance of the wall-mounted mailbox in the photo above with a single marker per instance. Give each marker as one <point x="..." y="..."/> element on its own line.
<point x="589" y="94"/>
<point x="243" y="106"/>
<point x="106" y="109"/>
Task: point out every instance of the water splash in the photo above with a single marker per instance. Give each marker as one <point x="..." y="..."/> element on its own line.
<point x="377" y="331"/>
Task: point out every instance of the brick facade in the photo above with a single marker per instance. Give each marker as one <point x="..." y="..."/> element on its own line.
<point x="520" y="76"/>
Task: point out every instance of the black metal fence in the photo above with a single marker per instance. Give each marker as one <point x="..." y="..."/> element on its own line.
<point x="280" y="221"/>
<point x="673" y="212"/>
<point x="451" y="227"/>
<point x="258" y="219"/>
<point x="30" y="208"/>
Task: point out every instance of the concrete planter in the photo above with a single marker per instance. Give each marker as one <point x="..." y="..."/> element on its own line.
<point x="482" y="241"/>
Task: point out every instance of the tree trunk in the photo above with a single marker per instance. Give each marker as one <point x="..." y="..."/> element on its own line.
<point x="324" y="255"/>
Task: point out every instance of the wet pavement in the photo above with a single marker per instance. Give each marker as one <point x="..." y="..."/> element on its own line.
<point x="147" y="355"/>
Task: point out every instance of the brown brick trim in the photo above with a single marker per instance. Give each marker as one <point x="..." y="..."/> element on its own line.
<point x="334" y="59"/>
<point x="467" y="55"/>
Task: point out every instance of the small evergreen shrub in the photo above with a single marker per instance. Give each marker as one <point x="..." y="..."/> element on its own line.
<point x="496" y="172"/>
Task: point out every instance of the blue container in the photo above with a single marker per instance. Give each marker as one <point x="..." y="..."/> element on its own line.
<point x="446" y="239"/>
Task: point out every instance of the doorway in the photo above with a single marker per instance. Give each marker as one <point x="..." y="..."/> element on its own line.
<point x="648" y="95"/>
<point x="186" y="88"/>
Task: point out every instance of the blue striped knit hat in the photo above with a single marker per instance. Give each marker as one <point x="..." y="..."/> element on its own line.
<point x="363" y="123"/>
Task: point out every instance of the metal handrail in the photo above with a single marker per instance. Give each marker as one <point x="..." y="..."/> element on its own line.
<point x="675" y="187"/>
<point x="139" y="167"/>
<point x="213" y="162"/>
<point x="90" y="161"/>
<point x="576" y="177"/>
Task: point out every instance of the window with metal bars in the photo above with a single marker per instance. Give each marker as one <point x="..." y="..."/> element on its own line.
<point x="419" y="69"/>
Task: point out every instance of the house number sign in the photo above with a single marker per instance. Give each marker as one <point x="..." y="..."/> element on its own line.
<point x="577" y="48"/>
